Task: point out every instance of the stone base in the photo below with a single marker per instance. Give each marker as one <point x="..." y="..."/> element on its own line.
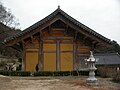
<point x="92" y="82"/>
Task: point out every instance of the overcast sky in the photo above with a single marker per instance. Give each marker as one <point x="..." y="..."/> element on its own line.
<point x="103" y="16"/>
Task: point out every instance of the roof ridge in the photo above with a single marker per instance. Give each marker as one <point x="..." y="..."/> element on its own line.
<point x="58" y="10"/>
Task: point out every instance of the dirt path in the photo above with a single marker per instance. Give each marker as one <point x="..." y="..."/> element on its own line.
<point x="52" y="83"/>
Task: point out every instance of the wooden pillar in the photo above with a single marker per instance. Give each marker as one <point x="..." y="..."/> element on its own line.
<point x="58" y="55"/>
<point x="23" y="56"/>
<point x="40" y="53"/>
<point x="74" y="54"/>
<point x="74" y="49"/>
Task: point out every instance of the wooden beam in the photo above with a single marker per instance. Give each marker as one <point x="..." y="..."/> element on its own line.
<point x="66" y="29"/>
<point x="32" y="39"/>
<point x="85" y="38"/>
<point x="62" y="38"/>
<point x="40" y="35"/>
<point x="94" y="44"/>
<point x="21" y="45"/>
<point x="17" y="47"/>
<point x="97" y="44"/>
<point x="49" y="30"/>
<point x="75" y="36"/>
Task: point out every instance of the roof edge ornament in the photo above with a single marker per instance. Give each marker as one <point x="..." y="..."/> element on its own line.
<point x="58" y="6"/>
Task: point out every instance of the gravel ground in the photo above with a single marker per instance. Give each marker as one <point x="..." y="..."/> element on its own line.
<point x="54" y="83"/>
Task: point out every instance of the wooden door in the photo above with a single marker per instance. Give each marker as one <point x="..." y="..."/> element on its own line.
<point x="31" y="59"/>
<point x="66" y="57"/>
<point x="58" y="55"/>
<point x="49" y="56"/>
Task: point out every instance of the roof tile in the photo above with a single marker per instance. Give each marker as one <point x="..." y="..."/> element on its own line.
<point x="44" y="20"/>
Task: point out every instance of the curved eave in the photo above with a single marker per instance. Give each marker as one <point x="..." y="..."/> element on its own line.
<point x="77" y="23"/>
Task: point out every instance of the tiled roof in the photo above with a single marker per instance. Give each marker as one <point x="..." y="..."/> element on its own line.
<point x="58" y="11"/>
<point x="108" y="59"/>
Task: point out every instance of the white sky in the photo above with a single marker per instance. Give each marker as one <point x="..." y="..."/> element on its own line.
<point x="103" y="16"/>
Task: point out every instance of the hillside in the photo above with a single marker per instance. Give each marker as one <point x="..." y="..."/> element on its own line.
<point x="5" y="32"/>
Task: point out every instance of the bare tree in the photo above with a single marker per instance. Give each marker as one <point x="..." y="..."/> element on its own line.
<point x="2" y="13"/>
<point x="7" y="18"/>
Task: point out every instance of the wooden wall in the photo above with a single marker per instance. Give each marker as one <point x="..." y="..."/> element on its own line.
<point x="60" y="51"/>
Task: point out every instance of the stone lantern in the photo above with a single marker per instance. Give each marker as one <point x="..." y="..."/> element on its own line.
<point x="91" y="80"/>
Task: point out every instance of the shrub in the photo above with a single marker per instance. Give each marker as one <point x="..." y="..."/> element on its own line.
<point x="15" y="73"/>
<point x="2" y="63"/>
<point x="60" y="73"/>
<point x="106" y="72"/>
<point x="116" y="77"/>
<point x="44" y="73"/>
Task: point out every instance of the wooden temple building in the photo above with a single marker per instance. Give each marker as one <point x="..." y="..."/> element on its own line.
<point x="56" y="43"/>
